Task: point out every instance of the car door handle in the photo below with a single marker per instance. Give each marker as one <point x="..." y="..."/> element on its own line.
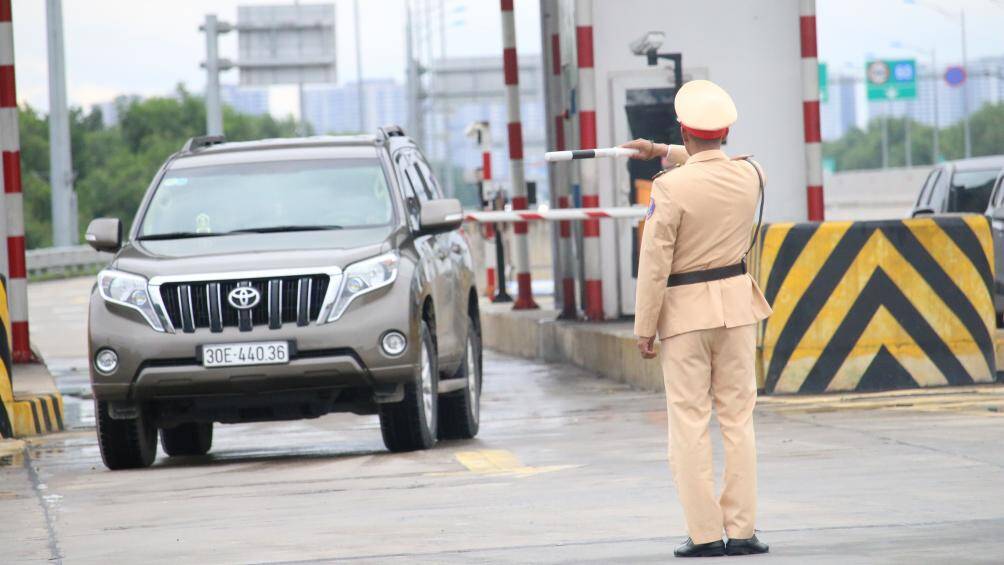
<point x="456" y="249"/>
<point x="997" y="224"/>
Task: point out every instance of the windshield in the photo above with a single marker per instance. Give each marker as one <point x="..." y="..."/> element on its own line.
<point x="971" y="190"/>
<point x="269" y="196"/>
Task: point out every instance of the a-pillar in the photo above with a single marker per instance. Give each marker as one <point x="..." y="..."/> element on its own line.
<point x="524" y="296"/>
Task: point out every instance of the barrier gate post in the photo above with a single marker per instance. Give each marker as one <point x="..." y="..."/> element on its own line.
<point x="12" y="203"/>
<point x="521" y="254"/>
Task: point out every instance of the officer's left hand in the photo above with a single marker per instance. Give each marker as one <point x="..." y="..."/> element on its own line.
<point x="646" y="346"/>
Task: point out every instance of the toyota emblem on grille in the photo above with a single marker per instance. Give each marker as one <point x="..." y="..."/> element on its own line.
<point x="244" y="297"/>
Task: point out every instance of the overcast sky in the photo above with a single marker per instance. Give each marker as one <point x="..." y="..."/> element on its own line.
<point x="147" y="47"/>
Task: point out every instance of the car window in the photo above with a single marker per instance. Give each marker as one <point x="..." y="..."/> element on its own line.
<point x="270" y="194"/>
<point x="939" y="193"/>
<point x="925" y="192"/>
<point x="999" y="190"/>
<point x="971" y="190"/>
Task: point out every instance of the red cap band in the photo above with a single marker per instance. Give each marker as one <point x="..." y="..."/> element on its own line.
<point x="705" y="133"/>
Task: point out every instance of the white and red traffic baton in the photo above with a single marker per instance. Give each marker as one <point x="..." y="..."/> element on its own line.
<point x="554" y="215"/>
<point x="603" y="152"/>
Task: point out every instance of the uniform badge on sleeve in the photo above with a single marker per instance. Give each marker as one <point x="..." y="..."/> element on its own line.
<point x="651" y="207"/>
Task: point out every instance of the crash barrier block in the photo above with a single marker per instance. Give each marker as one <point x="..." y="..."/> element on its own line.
<point x="37" y="415"/>
<point x="6" y="385"/>
<point x="876" y="305"/>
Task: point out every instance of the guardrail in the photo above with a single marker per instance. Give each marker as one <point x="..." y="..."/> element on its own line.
<point x="65" y="261"/>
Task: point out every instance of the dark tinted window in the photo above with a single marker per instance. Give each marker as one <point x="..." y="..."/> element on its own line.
<point x="971" y="190"/>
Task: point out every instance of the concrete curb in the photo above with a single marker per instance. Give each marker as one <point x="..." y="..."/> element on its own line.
<point x="607" y="349"/>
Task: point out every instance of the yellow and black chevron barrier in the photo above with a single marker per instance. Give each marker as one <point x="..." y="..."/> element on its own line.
<point x="877" y="305"/>
<point x="37" y="415"/>
<point x="6" y="387"/>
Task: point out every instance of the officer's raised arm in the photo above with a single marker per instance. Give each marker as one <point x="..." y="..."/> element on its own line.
<point x="675" y="155"/>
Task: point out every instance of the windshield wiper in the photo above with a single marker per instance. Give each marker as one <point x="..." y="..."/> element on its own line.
<point x="277" y="229"/>
<point x="176" y="235"/>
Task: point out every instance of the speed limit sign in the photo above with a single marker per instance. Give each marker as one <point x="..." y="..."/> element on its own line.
<point x="878" y="72"/>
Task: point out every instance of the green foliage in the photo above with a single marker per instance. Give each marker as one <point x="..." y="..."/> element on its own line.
<point x="859" y="149"/>
<point x="113" y="166"/>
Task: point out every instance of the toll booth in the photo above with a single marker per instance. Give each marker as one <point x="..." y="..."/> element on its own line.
<point x="752" y="49"/>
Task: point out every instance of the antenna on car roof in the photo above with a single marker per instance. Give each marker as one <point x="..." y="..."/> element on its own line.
<point x="198" y="142"/>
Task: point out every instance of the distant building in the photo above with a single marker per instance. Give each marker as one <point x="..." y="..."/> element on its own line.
<point x="335" y="109"/>
<point x="112" y="110"/>
<point x="246" y="100"/>
<point x="838" y="114"/>
<point x="472" y="88"/>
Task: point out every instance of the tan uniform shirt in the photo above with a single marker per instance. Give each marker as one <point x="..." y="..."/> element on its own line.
<point x="702" y="217"/>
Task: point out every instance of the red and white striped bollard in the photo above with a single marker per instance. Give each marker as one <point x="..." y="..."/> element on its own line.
<point x="10" y="149"/>
<point x="524" y="295"/>
<point x="810" y="110"/>
<point x="593" y="298"/>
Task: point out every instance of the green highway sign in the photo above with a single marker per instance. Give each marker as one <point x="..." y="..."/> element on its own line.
<point x="824" y="91"/>
<point x="891" y="79"/>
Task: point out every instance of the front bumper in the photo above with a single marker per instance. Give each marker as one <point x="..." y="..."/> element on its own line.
<point x="343" y="354"/>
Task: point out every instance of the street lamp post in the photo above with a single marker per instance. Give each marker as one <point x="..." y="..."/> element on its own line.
<point x="961" y="16"/>
<point x="936" y="82"/>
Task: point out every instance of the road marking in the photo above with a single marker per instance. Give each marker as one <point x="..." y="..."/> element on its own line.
<point x="495" y="462"/>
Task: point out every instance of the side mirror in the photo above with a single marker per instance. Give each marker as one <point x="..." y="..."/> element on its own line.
<point x="104" y="234"/>
<point x="441" y="215"/>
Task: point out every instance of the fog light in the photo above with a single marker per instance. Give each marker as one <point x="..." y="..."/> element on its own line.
<point x="106" y="361"/>
<point x="393" y="343"/>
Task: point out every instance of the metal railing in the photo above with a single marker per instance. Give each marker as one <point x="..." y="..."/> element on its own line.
<point x="65" y="261"/>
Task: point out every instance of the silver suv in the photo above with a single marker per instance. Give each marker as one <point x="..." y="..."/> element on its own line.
<point x="285" y="279"/>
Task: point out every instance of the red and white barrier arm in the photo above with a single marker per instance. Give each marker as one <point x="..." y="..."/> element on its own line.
<point x="555" y="215"/>
<point x="589" y="153"/>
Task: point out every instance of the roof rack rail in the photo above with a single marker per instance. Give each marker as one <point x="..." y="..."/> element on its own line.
<point x="392" y="131"/>
<point x="198" y="142"/>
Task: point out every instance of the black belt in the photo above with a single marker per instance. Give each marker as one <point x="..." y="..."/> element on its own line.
<point x="707" y="275"/>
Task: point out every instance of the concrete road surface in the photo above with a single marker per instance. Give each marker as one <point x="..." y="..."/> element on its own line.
<point x="568" y="468"/>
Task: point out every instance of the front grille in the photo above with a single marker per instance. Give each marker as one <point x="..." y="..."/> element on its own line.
<point x="284" y="300"/>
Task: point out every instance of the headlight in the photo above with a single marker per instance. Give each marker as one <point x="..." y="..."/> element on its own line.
<point x="131" y="291"/>
<point x="362" y="277"/>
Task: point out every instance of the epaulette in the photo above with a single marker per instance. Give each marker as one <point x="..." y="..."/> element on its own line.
<point x="664" y="171"/>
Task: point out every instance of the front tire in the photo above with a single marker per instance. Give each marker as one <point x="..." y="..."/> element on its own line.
<point x="411" y="424"/>
<point x="460" y="412"/>
<point x="125" y="444"/>
<point x="193" y="438"/>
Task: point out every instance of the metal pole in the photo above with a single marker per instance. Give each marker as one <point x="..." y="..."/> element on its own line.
<point x="444" y="109"/>
<point x="936" y="149"/>
<point x="214" y="111"/>
<point x="965" y="90"/>
<point x="907" y="140"/>
<point x="60" y="163"/>
<point x="359" y="68"/>
<point x="885" y="135"/>
<point x="815" y="207"/>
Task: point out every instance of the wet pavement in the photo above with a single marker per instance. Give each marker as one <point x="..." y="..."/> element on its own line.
<point x="568" y="468"/>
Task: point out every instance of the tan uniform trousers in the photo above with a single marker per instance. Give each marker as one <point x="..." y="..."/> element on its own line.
<point x="700" y="368"/>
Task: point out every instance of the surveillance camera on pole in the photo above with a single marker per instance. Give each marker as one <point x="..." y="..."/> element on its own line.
<point x="650" y="42"/>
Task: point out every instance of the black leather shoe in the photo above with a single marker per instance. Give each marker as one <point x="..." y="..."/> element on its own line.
<point x="690" y="549"/>
<point x="750" y="546"/>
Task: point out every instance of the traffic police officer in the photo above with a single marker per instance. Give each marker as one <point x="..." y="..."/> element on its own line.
<point x="694" y="291"/>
